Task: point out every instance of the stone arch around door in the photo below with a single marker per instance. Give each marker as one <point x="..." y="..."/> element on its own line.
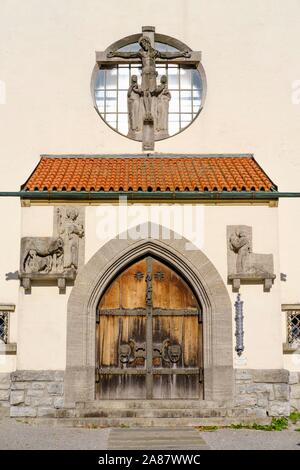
<point x="101" y="269"/>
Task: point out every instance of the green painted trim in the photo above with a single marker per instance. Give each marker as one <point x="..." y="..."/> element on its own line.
<point x="137" y="195"/>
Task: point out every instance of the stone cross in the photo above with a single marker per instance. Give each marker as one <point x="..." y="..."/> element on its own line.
<point x="147" y="55"/>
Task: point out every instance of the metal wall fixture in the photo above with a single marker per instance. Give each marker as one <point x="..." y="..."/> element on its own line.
<point x="239" y="324"/>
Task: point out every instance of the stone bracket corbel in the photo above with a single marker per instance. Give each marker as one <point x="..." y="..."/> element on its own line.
<point x="60" y="279"/>
<point x="237" y="279"/>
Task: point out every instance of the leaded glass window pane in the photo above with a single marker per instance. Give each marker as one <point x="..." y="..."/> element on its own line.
<point x="111" y="102"/>
<point x="164" y="47"/>
<point x="293" y="327"/>
<point x="122" y="101"/>
<point x="123" y="79"/>
<point x="185" y="78"/>
<point x="4" y="327"/>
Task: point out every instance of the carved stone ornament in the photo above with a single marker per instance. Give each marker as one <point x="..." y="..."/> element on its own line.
<point x="244" y="265"/>
<point x="148" y="103"/>
<point x="54" y="258"/>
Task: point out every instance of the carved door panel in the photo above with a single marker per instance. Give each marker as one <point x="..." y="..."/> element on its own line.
<point x="149" y="336"/>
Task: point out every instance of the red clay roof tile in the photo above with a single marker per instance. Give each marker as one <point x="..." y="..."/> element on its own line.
<point x="155" y="173"/>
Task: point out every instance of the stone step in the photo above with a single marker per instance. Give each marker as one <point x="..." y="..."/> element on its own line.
<point x="142" y="435"/>
<point x="155" y="442"/>
<point x="152" y="404"/>
<point x="162" y="438"/>
<point x="144" y="422"/>
<point x="151" y="413"/>
<point x="175" y="446"/>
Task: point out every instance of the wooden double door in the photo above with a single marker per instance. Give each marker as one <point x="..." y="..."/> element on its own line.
<point x="149" y="336"/>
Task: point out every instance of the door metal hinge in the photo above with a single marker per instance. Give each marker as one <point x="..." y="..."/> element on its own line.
<point x="201" y="375"/>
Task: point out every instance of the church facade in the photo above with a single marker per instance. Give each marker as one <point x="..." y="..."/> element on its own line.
<point x="151" y="264"/>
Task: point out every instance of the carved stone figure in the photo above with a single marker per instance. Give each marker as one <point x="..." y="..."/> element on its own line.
<point x="243" y="264"/>
<point x="163" y="97"/>
<point x="240" y="244"/>
<point x="135" y="109"/>
<point x="70" y="231"/>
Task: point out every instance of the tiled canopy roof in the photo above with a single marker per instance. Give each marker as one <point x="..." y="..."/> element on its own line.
<point x="148" y="173"/>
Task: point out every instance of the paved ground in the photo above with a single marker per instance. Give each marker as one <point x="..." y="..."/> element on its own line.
<point x="18" y="435"/>
<point x="248" y="439"/>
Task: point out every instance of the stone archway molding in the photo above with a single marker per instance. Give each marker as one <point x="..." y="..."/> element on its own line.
<point x="100" y="270"/>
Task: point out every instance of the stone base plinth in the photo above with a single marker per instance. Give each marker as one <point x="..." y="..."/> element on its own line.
<point x="259" y="394"/>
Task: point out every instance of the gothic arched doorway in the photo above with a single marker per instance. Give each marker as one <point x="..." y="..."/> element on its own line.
<point x="149" y="335"/>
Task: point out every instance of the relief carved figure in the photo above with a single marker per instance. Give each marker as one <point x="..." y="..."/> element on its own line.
<point x="132" y="351"/>
<point x="171" y="352"/>
<point x="241" y="245"/>
<point x="134" y="105"/>
<point x="54" y="258"/>
<point x="161" y="113"/>
<point x="57" y="254"/>
<point x="70" y="230"/>
<point x="42" y="255"/>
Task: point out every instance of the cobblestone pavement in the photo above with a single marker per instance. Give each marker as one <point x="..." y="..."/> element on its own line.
<point x="18" y="435"/>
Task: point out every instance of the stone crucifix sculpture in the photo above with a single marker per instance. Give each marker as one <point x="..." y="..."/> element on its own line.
<point x="149" y="89"/>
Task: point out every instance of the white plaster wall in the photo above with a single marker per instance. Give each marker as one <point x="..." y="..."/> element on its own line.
<point x="37" y="222"/>
<point x="42" y="329"/>
<point x="251" y="58"/>
<point x="289" y="216"/>
<point x="10" y="212"/>
<point x="291" y="362"/>
<point x="7" y="363"/>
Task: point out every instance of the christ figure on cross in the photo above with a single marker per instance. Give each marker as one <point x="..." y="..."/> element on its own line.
<point x="148" y="55"/>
